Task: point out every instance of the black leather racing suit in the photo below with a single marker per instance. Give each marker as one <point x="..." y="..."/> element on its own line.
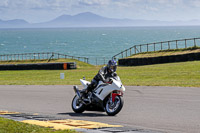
<point x="103" y="75"/>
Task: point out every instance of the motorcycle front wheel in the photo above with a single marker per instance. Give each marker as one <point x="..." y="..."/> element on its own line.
<point x="112" y="108"/>
<point x="77" y="106"/>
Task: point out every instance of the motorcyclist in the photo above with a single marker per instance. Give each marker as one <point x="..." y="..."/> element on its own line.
<point x="104" y="75"/>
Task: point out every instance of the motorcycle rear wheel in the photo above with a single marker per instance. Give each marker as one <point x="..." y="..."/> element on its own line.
<point x="115" y="107"/>
<point x="77" y="106"/>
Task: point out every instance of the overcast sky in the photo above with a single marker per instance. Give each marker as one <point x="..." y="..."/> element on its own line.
<point x="45" y="10"/>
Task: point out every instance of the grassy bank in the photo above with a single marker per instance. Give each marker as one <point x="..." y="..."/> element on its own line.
<point x="171" y="74"/>
<point x="10" y="126"/>
<point x="167" y="52"/>
<point x="80" y="64"/>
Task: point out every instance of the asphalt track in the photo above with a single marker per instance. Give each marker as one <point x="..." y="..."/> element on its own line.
<point x="165" y="109"/>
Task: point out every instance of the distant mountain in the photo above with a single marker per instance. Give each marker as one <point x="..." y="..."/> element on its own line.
<point x="88" y="19"/>
<point x="20" y="23"/>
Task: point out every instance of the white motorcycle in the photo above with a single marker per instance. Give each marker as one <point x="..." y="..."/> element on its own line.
<point x="105" y="97"/>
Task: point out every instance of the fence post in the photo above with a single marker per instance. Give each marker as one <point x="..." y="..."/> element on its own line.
<point x="140" y="48"/>
<point x="130" y="52"/>
<point x="161" y="45"/>
<point x="168" y="45"/>
<point x="33" y="56"/>
<point x="126" y="52"/>
<point x="122" y="54"/>
<point x="195" y="42"/>
<point x="52" y="55"/>
<point x="147" y="47"/>
<point x="30" y="56"/>
<point x="176" y="44"/>
<point x="185" y="43"/>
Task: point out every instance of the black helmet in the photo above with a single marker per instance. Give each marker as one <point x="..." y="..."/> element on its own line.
<point x="112" y="65"/>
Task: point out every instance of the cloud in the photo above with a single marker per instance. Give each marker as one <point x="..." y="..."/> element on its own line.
<point x="40" y="10"/>
<point x="35" y="4"/>
<point x="93" y="2"/>
<point x="194" y="3"/>
<point x="3" y="4"/>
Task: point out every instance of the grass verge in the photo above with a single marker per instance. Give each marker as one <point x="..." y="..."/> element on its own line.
<point x="10" y="126"/>
<point x="185" y="74"/>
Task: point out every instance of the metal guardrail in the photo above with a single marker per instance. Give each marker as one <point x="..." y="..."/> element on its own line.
<point x="51" y="55"/>
<point x="39" y="56"/>
<point x="99" y="60"/>
<point x="157" y="46"/>
<point x="165" y="45"/>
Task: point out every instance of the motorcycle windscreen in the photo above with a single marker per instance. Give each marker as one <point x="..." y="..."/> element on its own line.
<point x="84" y="83"/>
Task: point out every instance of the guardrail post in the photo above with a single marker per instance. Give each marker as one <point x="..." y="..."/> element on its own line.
<point x="168" y="45"/>
<point x="185" y="43"/>
<point x="195" y="42"/>
<point x="135" y="49"/>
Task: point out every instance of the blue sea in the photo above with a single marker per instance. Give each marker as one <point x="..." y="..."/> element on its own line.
<point x="98" y="44"/>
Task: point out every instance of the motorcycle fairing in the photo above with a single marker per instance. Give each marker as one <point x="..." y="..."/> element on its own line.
<point x="103" y="91"/>
<point x="84" y="83"/>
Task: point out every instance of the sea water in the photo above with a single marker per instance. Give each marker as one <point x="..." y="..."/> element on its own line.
<point x="98" y="44"/>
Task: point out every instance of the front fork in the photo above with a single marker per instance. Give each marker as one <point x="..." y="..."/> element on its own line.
<point x="114" y="94"/>
<point x="77" y="92"/>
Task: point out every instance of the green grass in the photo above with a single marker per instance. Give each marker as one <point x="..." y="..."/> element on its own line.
<point x="185" y="74"/>
<point x="171" y="74"/>
<point x="10" y="126"/>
